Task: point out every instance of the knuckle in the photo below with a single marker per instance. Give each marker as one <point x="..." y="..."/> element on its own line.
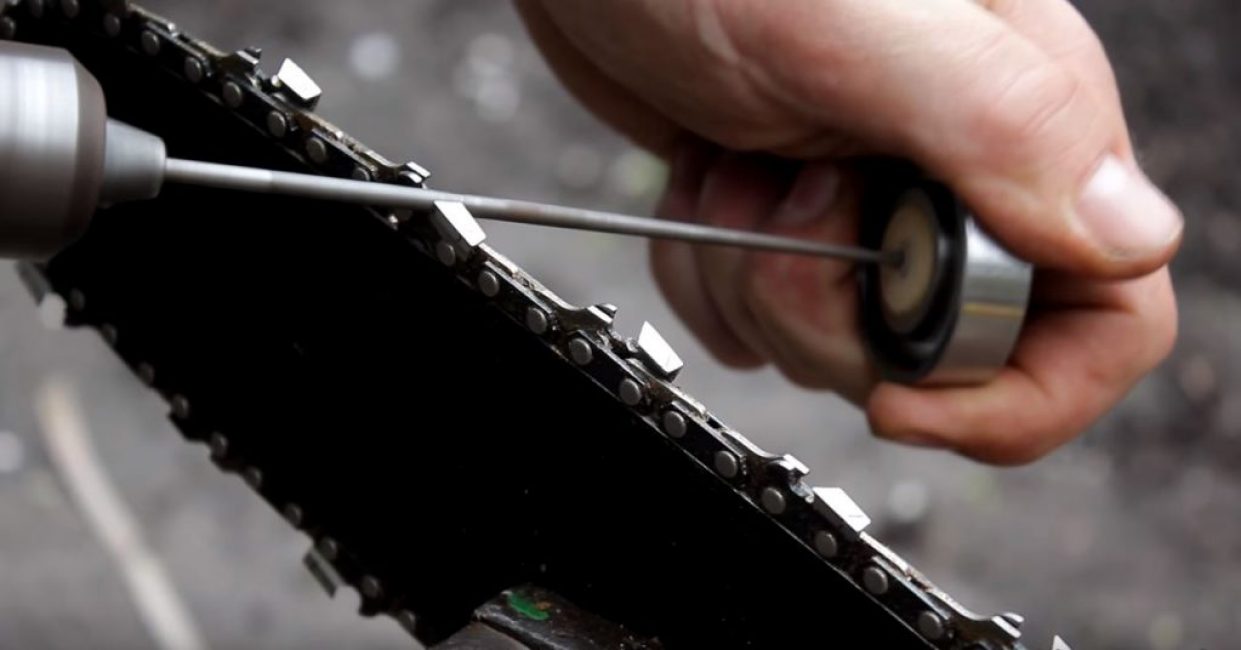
<point x="1032" y="108"/>
<point x="1057" y="98"/>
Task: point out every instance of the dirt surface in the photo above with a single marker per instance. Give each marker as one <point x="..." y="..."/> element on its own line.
<point x="1127" y="539"/>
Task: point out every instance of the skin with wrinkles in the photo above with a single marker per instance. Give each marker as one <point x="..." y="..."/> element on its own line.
<point x="760" y="108"/>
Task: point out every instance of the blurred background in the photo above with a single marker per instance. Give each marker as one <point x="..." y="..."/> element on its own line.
<point x="1129" y="539"/>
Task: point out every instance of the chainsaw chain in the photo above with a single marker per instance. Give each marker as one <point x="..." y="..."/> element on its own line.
<point x="637" y="373"/>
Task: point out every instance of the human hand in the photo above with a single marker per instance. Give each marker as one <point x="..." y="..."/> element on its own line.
<point x="1012" y="103"/>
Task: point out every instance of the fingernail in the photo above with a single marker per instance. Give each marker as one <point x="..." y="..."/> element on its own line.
<point x="814" y="192"/>
<point x="1125" y="213"/>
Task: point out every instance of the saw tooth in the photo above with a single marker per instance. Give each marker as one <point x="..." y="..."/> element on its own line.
<point x="839" y="509"/>
<point x="459" y="229"/>
<point x="296" y="85"/>
<point x="657" y="355"/>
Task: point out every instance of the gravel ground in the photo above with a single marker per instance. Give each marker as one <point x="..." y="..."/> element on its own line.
<point x="1127" y="539"/>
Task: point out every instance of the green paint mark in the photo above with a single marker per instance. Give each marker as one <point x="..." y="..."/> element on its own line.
<point x="528" y="608"/>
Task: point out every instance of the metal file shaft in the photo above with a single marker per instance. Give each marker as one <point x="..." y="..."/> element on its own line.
<point x="267" y="181"/>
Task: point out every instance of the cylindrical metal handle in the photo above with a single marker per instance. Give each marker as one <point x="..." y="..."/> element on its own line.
<point x="52" y="137"/>
<point x="972" y="310"/>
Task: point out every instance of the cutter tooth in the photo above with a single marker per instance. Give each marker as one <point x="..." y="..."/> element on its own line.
<point x="297" y="85"/>
<point x="657" y="355"/>
<point x="841" y="510"/>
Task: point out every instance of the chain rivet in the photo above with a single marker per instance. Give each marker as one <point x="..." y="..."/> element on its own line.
<point x="194" y="70"/>
<point x="277" y="124"/>
<point x="446" y="254"/>
<point x="630" y="392"/>
<point x="150" y="43"/>
<point x="371" y="588"/>
<point x="77" y="300"/>
<point x="112" y="25"/>
<point x="293" y="514"/>
<point x="726" y="464"/>
<point x="316" y="150"/>
<point x="826" y="545"/>
<point x="675" y="425"/>
<point x="233" y="97"/>
<point x="875" y="581"/>
<point x="537" y="321"/>
<point x="218" y="445"/>
<point x="581" y="352"/>
<point x="931" y="625"/>
<point x="773" y="501"/>
<point x="489" y="284"/>
<point x="329" y="549"/>
<point x="181" y="407"/>
<point x="146" y="373"/>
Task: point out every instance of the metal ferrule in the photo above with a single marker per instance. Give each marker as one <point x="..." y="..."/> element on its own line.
<point x="989" y="312"/>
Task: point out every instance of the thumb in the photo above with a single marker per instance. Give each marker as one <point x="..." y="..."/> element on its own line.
<point x="1040" y="153"/>
<point x="1043" y="158"/>
<point x="1045" y="164"/>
